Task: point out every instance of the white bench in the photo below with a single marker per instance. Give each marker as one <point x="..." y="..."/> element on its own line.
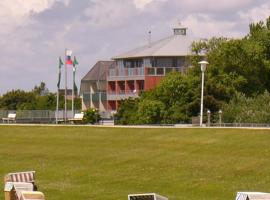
<point x="146" y="196"/>
<point x="10" y="117"/>
<point x="252" y="196"/>
<point x="78" y="117"/>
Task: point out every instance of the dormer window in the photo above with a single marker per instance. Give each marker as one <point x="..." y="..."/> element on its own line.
<point x="179" y="30"/>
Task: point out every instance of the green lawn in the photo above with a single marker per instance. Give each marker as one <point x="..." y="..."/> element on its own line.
<point x="109" y="163"/>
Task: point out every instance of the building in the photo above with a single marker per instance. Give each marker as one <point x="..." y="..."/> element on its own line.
<point x="138" y="70"/>
<point x="94" y="86"/>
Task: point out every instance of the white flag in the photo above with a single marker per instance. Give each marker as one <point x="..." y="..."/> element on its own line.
<point x="68" y="52"/>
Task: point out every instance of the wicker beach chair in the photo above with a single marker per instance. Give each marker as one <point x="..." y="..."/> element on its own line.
<point x="21" y="186"/>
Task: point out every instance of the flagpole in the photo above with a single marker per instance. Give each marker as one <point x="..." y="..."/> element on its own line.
<point x="65" y="87"/>
<point x="57" y="99"/>
<point x="57" y="105"/>
<point x="58" y="86"/>
<point x="73" y="90"/>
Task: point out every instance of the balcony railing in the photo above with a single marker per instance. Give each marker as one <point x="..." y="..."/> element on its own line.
<point x="122" y="94"/>
<point x="126" y="72"/>
<point x="161" y="71"/>
<point x="99" y="96"/>
<point x="95" y="96"/>
<point x="143" y="71"/>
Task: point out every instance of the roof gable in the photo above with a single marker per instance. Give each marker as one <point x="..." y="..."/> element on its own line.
<point x="98" y="71"/>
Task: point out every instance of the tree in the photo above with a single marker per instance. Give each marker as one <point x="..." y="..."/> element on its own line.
<point x="127" y="112"/>
<point x="180" y="94"/>
<point x="245" y="62"/>
<point x="243" y="109"/>
<point x="91" y="116"/>
<point x="17" y="99"/>
<point x="46" y="102"/>
<point x="38" y="99"/>
<point x="151" y="111"/>
<point x="41" y="89"/>
<point x="174" y="100"/>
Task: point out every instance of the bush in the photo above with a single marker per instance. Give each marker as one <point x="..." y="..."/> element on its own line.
<point x="127" y="112"/>
<point x="243" y="109"/>
<point x="151" y="111"/>
<point x="91" y="116"/>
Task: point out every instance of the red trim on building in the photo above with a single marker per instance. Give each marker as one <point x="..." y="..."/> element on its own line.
<point x="151" y="82"/>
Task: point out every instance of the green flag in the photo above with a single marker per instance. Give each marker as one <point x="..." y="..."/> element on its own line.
<point x="59" y="72"/>
<point x="75" y="62"/>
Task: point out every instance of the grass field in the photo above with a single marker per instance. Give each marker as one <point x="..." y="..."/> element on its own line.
<point x="109" y="163"/>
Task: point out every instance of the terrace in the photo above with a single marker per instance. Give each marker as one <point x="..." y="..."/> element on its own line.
<point x="123" y="94"/>
<point x="140" y="72"/>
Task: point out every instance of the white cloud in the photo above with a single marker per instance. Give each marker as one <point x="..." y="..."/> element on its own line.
<point x="16" y="12"/>
<point x="140" y="4"/>
<point x="202" y="5"/>
<point x="204" y="25"/>
<point x="100" y="29"/>
<point x="211" y="5"/>
<point x="109" y="13"/>
<point x="18" y="8"/>
<point x="255" y="14"/>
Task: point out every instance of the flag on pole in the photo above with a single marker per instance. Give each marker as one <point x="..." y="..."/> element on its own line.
<point x="59" y="72"/>
<point x="68" y="57"/>
<point x="75" y="62"/>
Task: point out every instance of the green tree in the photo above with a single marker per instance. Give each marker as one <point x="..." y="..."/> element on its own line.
<point x="38" y="99"/>
<point x="17" y="99"/>
<point x="91" y="116"/>
<point x="41" y="89"/>
<point x="180" y="94"/>
<point x="245" y="62"/>
<point x="174" y="100"/>
<point x="151" y="111"/>
<point x="243" y="109"/>
<point x="47" y="102"/>
<point x="127" y="112"/>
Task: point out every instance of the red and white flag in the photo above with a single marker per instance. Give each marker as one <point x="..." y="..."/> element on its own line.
<point x="68" y="57"/>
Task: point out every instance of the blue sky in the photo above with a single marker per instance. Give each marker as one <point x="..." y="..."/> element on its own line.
<point x="34" y="33"/>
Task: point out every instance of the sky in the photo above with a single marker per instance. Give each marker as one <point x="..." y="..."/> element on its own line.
<point x="34" y="33"/>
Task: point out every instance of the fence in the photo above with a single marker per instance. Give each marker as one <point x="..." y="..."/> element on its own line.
<point x="49" y="116"/>
<point x="37" y="116"/>
<point x="239" y="125"/>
